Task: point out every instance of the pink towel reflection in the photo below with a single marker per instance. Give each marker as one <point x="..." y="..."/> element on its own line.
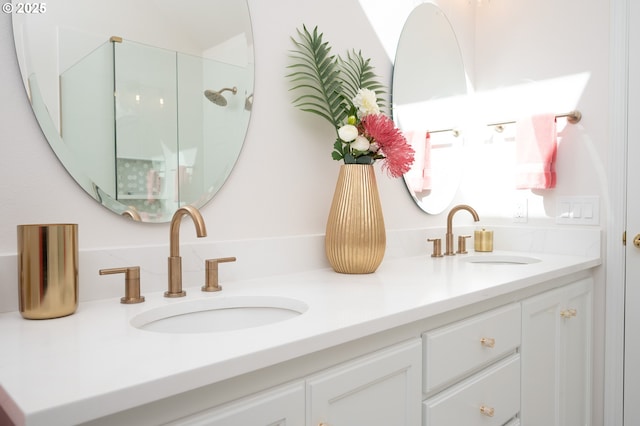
<point x="426" y="165"/>
<point x="181" y="179"/>
<point x="420" y="141"/>
<point x="153" y="184"/>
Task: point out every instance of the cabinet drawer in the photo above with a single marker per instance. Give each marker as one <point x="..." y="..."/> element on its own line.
<point x="282" y="405"/>
<point x="489" y="398"/>
<point x="382" y="388"/>
<point x="458" y="349"/>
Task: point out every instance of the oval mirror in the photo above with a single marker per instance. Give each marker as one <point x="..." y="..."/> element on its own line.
<point x="429" y="85"/>
<point x="145" y="102"/>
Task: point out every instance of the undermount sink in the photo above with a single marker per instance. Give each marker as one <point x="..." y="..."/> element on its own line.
<point x="498" y="259"/>
<point x="218" y="314"/>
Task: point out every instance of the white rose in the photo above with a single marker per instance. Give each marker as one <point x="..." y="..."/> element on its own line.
<point x="360" y="144"/>
<point x="366" y="102"/>
<point x="348" y="132"/>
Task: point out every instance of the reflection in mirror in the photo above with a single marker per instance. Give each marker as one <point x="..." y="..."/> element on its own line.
<point x="146" y="103"/>
<point x="429" y="88"/>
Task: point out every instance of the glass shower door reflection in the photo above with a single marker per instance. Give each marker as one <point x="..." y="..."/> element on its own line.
<point x="146" y="128"/>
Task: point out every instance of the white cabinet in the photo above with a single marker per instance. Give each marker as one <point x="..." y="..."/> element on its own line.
<point x="524" y="363"/>
<point x="556" y="357"/>
<point x="477" y="360"/>
<point x="381" y="389"/>
<point x="281" y="406"/>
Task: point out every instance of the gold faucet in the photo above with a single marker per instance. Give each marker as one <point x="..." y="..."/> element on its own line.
<point x="175" y="261"/>
<point x="449" y="236"/>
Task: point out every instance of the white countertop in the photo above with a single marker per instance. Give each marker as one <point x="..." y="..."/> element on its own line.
<point x="94" y="363"/>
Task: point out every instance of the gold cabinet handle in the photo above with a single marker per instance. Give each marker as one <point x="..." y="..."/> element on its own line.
<point x="569" y="313"/>
<point x="487" y="411"/>
<point x="488" y="342"/>
<point x="636" y="241"/>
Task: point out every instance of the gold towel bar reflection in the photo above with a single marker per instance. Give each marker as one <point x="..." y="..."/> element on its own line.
<point x="573" y="117"/>
<point x="455" y="132"/>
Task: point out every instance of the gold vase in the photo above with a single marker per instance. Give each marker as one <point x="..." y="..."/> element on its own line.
<point x="355" y="240"/>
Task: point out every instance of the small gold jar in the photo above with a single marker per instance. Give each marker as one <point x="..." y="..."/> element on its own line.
<point x="483" y="240"/>
<point x="48" y="270"/>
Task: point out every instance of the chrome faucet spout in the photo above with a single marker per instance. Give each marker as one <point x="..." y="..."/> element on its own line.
<point x="175" y="261"/>
<point x="449" y="236"/>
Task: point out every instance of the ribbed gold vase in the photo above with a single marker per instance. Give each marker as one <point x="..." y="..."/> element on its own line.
<point x="355" y="240"/>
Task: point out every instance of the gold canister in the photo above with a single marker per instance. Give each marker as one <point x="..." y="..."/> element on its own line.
<point x="483" y="240"/>
<point x="48" y="270"/>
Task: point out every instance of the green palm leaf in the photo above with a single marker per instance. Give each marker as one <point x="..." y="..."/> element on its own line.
<point x="358" y="73"/>
<point x="315" y="75"/>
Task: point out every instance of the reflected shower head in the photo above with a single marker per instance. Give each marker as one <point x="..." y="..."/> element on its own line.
<point x="217" y="98"/>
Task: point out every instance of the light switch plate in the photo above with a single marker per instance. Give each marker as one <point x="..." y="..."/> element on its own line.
<point x="578" y="210"/>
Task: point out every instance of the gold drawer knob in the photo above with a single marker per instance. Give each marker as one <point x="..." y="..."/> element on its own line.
<point x="488" y="342"/>
<point x="487" y="411"/>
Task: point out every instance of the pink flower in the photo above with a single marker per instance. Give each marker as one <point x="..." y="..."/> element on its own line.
<point x="399" y="154"/>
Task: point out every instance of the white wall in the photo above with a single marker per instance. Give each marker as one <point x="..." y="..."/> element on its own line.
<point x="283" y="182"/>
<point x="286" y="163"/>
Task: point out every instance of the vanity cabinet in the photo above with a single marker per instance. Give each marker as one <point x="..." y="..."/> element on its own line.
<point x="378" y="390"/>
<point x="520" y="360"/>
<point x="472" y="370"/>
<point x="556" y="356"/>
<point x="280" y="406"/>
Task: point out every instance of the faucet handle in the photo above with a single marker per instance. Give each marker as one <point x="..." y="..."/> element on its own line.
<point x="462" y="244"/>
<point x="211" y="273"/>
<point x="132" y="283"/>
<point x="437" y="246"/>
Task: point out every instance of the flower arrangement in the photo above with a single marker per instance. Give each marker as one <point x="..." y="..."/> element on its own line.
<point x="344" y="91"/>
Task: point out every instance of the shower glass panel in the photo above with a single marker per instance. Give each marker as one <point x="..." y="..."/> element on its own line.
<point x="149" y="137"/>
<point x="87" y="116"/>
<point x="191" y="104"/>
<point x="223" y="126"/>
<point x="146" y="128"/>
